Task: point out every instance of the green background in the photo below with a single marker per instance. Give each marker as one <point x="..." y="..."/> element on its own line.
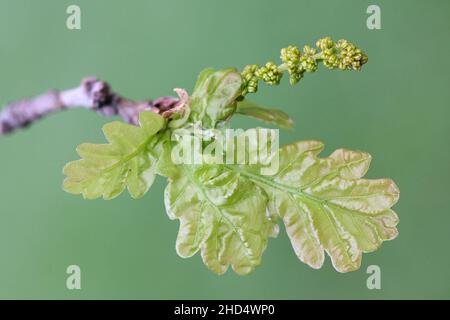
<point x="397" y="109"/>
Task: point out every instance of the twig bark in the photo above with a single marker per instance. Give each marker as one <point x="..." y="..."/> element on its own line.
<point x="92" y="93"/>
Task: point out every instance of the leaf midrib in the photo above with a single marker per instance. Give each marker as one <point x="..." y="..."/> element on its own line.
<point x="274" y="184"/>
<point x="125" y="159"/>
<point x="297" y="192"/>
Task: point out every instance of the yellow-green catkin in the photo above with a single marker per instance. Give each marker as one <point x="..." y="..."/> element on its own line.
<point x="342" y="55"/>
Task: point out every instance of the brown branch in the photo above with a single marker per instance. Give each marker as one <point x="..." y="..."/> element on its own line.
<point x="92" y="93"/>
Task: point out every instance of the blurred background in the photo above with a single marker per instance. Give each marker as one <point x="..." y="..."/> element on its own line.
<point x="396" y="108"/>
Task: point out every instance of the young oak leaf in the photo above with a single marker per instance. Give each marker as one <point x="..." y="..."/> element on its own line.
<point x="213" y="99"/>
<point x="127" y="161"/>
<point x="327" y="206"/>
<point x="271" y="116"/>
<point x="221" y="214"/>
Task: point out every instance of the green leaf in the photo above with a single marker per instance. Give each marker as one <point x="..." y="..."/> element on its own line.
<point x="213" y="99"/>
<point x="202" y="79"/>
<point x="271" y="116"/>
<point x="325" y="204"/>
<point x="221" y="214"/>
<point x="127" y="161"/>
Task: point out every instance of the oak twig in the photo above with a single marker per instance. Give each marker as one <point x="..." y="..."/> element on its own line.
<point x="92" y="93"/>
